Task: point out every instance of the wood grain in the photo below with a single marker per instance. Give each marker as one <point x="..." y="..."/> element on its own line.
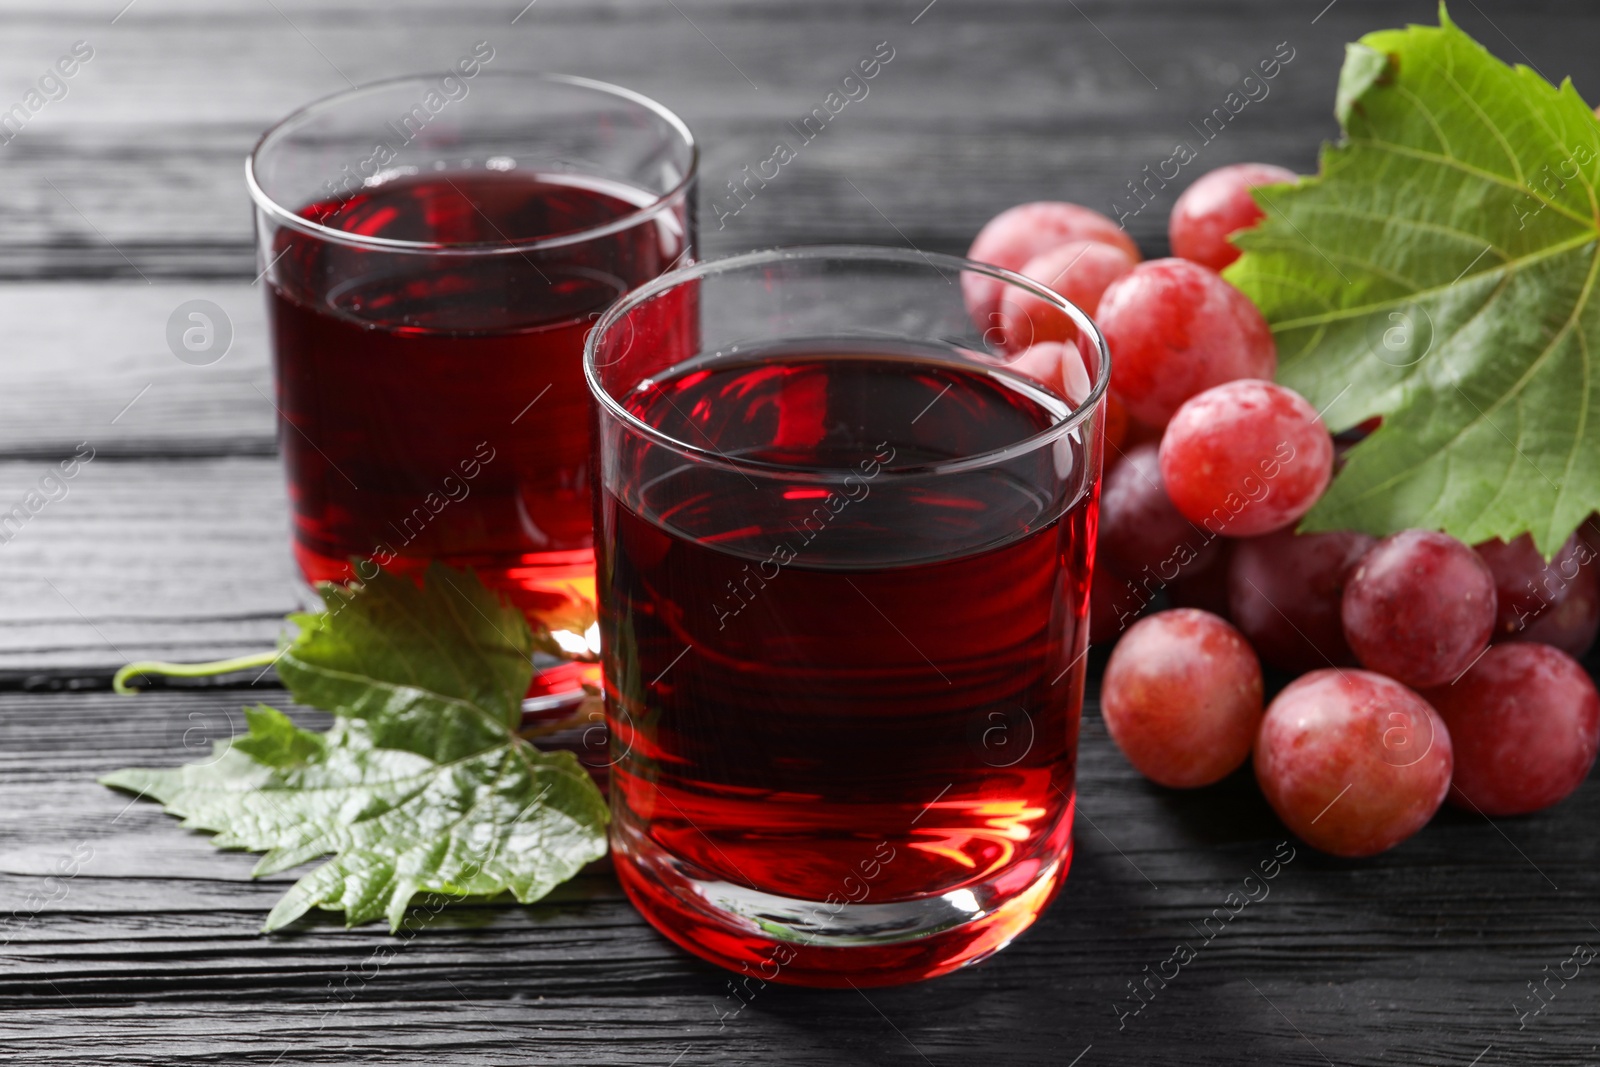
<point x="89" y="362"/>
<point x="143" y="559"/>
<point x="125" y="198"/>
<point x="1416" y="956"/>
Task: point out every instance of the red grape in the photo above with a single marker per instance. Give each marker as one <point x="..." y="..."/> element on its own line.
<point x="1141" y="433"/>
<point x="1018" y="234"/>
<point x="1176" y="329"/>
<point x="1589" y="531"/>
<point x="1555" y="603"/>
<point x="1525" y="720"/>
<point x="1079" y="271"/>
<point x="1140" y="530"/>
<point x="1352" y="762"/>
<point x="1284" y="592"/>
<point x="1116" y="429"/>
<point x="1205" y="586"/>
<point x="1420" y="608"/>
<point x="1114" y="602"/>
<point x="1181" y="697"/>
<point x="1246" y="458"/>
<point x="1216" y="205"/>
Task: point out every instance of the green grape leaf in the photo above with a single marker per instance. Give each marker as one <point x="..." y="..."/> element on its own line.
<point x="395" y="649"/>
<point x="1440" y="272"/>
<point x="420" y="786"/>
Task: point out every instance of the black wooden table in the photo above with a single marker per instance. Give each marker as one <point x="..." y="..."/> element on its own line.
<point x="124" y="198"/>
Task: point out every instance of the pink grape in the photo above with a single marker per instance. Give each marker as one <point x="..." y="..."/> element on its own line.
<point x="1175" y="329"/>
<point x="1057" y="365"/>
<point x="1525" y="720"/>
<point x="1140" y="530"/>
<point x="1216" y="205"/>
<point x="1041" y="362"/>
<point x="1181" y="697"/>
<point x="1555" y="603"/>
<point x="1246" y="458"/>
<point x="1420" y="608"/>
<point x="1079" y="271"/>
<point x="1018" y="234"/>
<point x="1284" y="592"/>
<point x="1353" y="762"/>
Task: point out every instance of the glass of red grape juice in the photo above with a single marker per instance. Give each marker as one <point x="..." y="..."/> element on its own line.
<point x="845" y="540"/>
<point x="434" y="249"/>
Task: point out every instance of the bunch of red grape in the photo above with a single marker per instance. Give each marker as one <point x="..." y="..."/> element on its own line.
<point x="1427" y="668"/>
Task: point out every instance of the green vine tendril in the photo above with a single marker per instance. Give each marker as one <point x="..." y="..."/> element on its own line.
<point x="152" y="668"/>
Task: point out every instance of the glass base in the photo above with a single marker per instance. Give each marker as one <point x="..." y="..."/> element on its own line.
<point x="772" y="938"/>
<point x="557" y="685"/>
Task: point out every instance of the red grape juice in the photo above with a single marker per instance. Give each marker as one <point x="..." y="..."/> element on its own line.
<point x="853" y="693"/>
<point x="432" y="400"/>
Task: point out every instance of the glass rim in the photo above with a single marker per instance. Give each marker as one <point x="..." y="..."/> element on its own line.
<point x="1080" y="413"/>
<point x="288" y="217"/>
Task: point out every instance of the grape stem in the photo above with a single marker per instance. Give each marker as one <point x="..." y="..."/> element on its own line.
<point x="152" y="668"/>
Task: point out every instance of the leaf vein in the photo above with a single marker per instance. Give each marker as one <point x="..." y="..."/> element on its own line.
<point x="1467" y="168"/>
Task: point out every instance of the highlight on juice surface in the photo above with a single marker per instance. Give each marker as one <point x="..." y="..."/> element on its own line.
<point x="433" y="250"/>
<point x="845" y="546"/>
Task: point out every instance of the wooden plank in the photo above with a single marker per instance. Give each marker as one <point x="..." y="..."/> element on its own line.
<point x="1414" y="956"/>
<point x="146" y="558"/>
<point x="90" y="363"/>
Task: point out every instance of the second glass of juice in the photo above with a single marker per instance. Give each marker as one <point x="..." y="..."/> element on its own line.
<point x="845" y="546"/>
<point x="433" y="250"/>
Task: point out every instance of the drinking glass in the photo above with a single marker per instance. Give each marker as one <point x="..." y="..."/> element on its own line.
<point x="845" y="538"/>
<point x="434" y="249"/>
